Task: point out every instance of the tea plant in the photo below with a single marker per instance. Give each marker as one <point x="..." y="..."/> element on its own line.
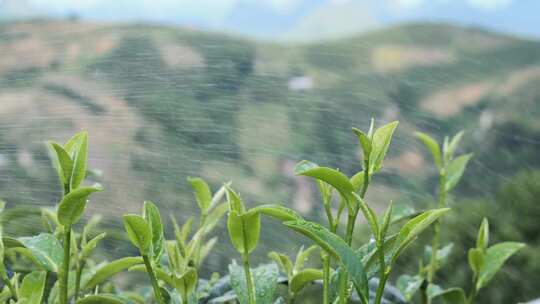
<point x="450" y="170"/>
<point x="57" y="266"/>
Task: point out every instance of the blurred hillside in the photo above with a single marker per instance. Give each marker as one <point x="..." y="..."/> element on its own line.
<point x="163" y="103"/>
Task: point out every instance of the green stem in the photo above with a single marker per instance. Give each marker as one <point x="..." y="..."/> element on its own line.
<point x="423" y="294"/>
<point x="153" y="279"/>
<point x="78" y="279"/>
<point x="249" y="280"/>
<point x="472" y="295"/>
<point x="383" y="276"/>
<point x="10" y="286"/>
<point x="326" y="277"/>
<point x="437" y="227"/>
<point x="64" y="274"/>
<point x="184" y="297"/>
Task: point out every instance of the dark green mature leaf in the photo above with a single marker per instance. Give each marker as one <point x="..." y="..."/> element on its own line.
<point x="153" y="218"/>
<point x="79" y="161"/>
<point x="102" y="299"/>
<point x="495" y="257"/>
<point x="62" y="162"/>
<point x="139" y="232"/>
<point x="455" y="170"/>
<point x="451" y="295"/>
<point x="433" y="147"/>
<point x="410" y="231"/>
<point x="106" y="271"/>
<point x="44" y="249"/>
<point x="337" y="247"/>
<point x="203" y="195"/>
<point x="380" y="143"/>
<point x="72" y="205"/>
<point x="409" y="285"/>
<point x="264" y="278"/>
<point x="32" y="288"/>
<point x="279" y="212"/>
<point x="303" y="277"/>
<point x="333" y="177"/>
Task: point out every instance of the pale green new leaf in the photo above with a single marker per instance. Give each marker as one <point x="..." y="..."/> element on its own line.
<point x="91" y="245"/>
<point x="279" y="212"/>
<point x="203" y="195"/>
<point x="43" y="249"/>
<point x="303" y="277"/>
<point x="365" y="142"/>
<point x="369" y="214"/>
<point x="106" y="271"/>
<point x="333" y="177"/>
<point x="410" y="231"/>
<point x="476" y="260"/>
<point x="433" y="147"/>
<point x="283" y="261"/>
<point x="72" y="205"/>
<point x="214" y="217"/>
<point x="62" y="162"/>
<point x="451" y="296"/>
<point x="79" y="161"/>
<point x="153" y="218"/>
<point x="252" y="227"/>
<point x="495" y="257"/>
<point x="33" y="287"/>
<point x="482" y="241"/>
<point x="380" y="143"/>
<point x="187" y="282"/>
<point x="139" y="232"/>
<point x="302" y="257"/>
<point x="455" y="170"/>
<point x="234" y="200"/>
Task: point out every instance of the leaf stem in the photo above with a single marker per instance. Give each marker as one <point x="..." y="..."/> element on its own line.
<point x="326" y="277"/>
<point x="383" y="274"/>
<point x="78" y="278"/>
<point x="64" y="274"/>
<point x="153" y="279"/>
<point x="437" y="226"/>
<point x="249" y="280"/>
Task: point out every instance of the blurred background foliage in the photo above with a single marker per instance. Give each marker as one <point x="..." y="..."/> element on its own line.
<point x="163" y="103"/>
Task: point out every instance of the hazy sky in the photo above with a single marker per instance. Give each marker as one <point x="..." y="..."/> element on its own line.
<point x="273" y="17"/>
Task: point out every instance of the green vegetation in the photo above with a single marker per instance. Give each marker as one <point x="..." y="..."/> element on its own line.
<point x="62" y="258"/>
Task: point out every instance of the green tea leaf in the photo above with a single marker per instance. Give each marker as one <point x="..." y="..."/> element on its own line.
<point x="33" y="287"/>
<point x="495" y="257"/>
<point x="409" y="285"/>
<point x="433" y="147"/>
<point x="187" y="282"/>
<point x="235" y="203"/>
<point x="139" y="232"/>
<point x="369" y="214"/>
<point x="279" y="212"/>
<point x="214" y="217"/>
<point x="365" y="142"/>
<point x="160" y="273"/>
<point x="251" y="223"/>
<point x="455" y="170"/>
<point x="476" y="260"/>
<point x="283" y="261"/>
<point x="106" y="271"/>
<point x="62" y="162"/>
<point x="303" y="277"/>
<point x="451" y="295"/>
<point x="236" y="231"/>
<point x="72" y="205"/>
<point x="387" y="219"/>
<point x="44" y="249"/>
<point x="79" y="161"/>
<point x="203" y="194"/>
<point x="482" y="240"/>
<point x="91" y="245"/>
<point x="337" y="247"/>
<point x="410" y="231"/>
<point x="380" y="143"/>
<point x="153" y="218"/>
<point x="264" y="278"/>
<point x="452" y="146"/>
<point x="102" y="299"/>
<point x="206" y="249"/>
<point x="302" y="257"/>
<point x="333" y="177"/>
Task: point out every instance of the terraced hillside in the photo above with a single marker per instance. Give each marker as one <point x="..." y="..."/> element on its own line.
<point x="163" y="103"/>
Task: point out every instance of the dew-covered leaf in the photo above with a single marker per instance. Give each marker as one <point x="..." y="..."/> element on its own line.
<point x="264" y="280"/>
